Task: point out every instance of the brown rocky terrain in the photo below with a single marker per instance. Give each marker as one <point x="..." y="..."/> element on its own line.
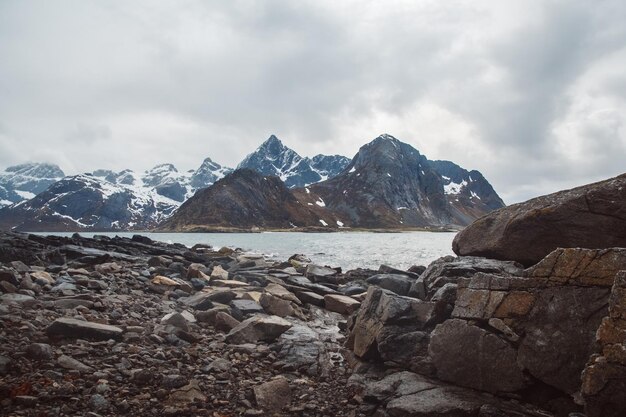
<point x="118" y="326"/>
<point x="592" y="216"/>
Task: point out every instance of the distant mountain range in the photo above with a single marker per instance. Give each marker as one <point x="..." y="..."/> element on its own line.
<point x="388" y="184"/>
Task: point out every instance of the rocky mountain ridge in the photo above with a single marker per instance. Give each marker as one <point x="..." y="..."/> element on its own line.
<point x="273" y="158"/>
<point x="24" y="181"/>
<point x="388" y="184"/>
<point x="108" y="200"/>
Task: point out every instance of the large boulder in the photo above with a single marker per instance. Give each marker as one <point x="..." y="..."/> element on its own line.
<point x="592" y="216"/>
<point x="473" y="357"/>
<point x="386" y="315"/>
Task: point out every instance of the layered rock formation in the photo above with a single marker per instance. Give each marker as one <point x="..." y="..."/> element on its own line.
<point x="591" y="216"/>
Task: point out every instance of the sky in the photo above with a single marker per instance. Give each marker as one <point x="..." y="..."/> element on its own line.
<point x="532" y="93"/>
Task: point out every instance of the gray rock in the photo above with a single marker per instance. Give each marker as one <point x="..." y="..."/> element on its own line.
<point x="39" y="351"/>
<point x="258" y="328"/>
<point x="341" y="304"/>
<point x="467" y="355"/>
<point x="242" y="308"/>
<point x="176" y="320"/>
<point x="273" y="395"/>
<point x="68" y="362"/>
<point x="400" y="284"/>
<point x="73" y="328"/>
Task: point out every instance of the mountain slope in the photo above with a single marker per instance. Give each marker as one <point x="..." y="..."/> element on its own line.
<point x="243" y="199"/>
<point x="390" y="184"/>
<point x="274" y="158"/>
<point x="22" y="182"/>
<point x="85" y="202"/>
<point x="107" y="200"/>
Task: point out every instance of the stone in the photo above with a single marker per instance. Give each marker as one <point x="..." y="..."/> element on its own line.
<point x="276" y="306"/>
<point x="400" y="284"/>
<point x="604" y="376"/>
<point x="98" y="402"/>
<point x="273" y="395"/>
<point x="187" y="394"/>
<point x="69" y="303"/>
<point x="199" y="301"/>
<point x="591" y="216"/>
<point x="4" y="364"/>
<point x="219" y="273"/>
<point x="281" y="292"/>
<point x="219" y="365"/>
<point x="171" y="282"/>
<point x="341" y="304"/>
<point x="576" y="266"/>
<point x="319" y="273"/>
<point x="19" y="266"/>
<point x="560" y="334"/>
<point x="242" y="308"/>
<point x="258" y="328"/>
<point x="383" y="308"/>
<point x="229" y="283"/>
<point x="309" y="297"/>
<point x="39" y="351"/>
<point x="15" y="298"/>
<point x="73" y="328"/>
<point x="225" y="322"/>
<point x="450" y="269"/>
<point x="469" y="356"/>
<point x="42" y="278"/>
<point x="68" y="362"/>
<point x="196" y="270"/>
<point x="177" y="320"/>
<point x="209" y="315"/>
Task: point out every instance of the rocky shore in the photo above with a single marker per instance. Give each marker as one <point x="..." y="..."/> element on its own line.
<point x="119" y="326"/>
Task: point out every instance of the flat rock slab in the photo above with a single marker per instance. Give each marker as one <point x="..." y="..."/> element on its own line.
<point x="78" y="329"/>
<point x="258" y="328"/>
<point x="341" y="304"/>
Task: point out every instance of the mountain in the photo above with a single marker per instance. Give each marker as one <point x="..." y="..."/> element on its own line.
<point x="243" y="199"/>
<point x="390" y="184"/>
<point x="86" y="202"/>
<point x="108" y="200"/>
<point x="273" y="158"/>
<point x="22" y="182"/>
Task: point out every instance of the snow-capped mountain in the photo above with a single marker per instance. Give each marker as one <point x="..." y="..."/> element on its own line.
<point x="24" y="181"/>
<point x="274" y="158"/>
<point x="389" y="183"/>
<point x="108" y="200"/>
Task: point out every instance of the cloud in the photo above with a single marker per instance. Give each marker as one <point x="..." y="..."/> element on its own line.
<point x="532" y="93"/>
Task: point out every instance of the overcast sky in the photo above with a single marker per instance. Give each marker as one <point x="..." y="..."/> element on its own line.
<point x="531" y="93"/>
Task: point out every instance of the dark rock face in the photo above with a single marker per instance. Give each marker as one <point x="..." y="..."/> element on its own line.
<point x="604" y="377"/>
<point x="591" y="216"/>
<point x="244" y="199"/>
<point x="390" y="184"/>
<point x="499" y="328"/>
<point x="274" y="158"/>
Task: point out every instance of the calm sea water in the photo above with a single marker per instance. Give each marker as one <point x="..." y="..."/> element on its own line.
<point x="348" y="250"/>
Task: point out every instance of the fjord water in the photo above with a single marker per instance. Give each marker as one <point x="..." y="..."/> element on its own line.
<point x="348" y="250"/>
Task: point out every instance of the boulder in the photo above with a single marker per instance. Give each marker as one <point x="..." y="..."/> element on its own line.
<point x="341" y="304"/>
<point x="449" y="269"/>
<point x="469" y="356"/>
<point x="276" y="306"/>
<point x="384" y="309"/>
<point x="78" y="329"/>
<point x="400" y="284"/>
<point x="273" y="395"/>
<point x="592" y="216"/>
<point x="258" y="328"/>
<point x="225" y="322"/>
